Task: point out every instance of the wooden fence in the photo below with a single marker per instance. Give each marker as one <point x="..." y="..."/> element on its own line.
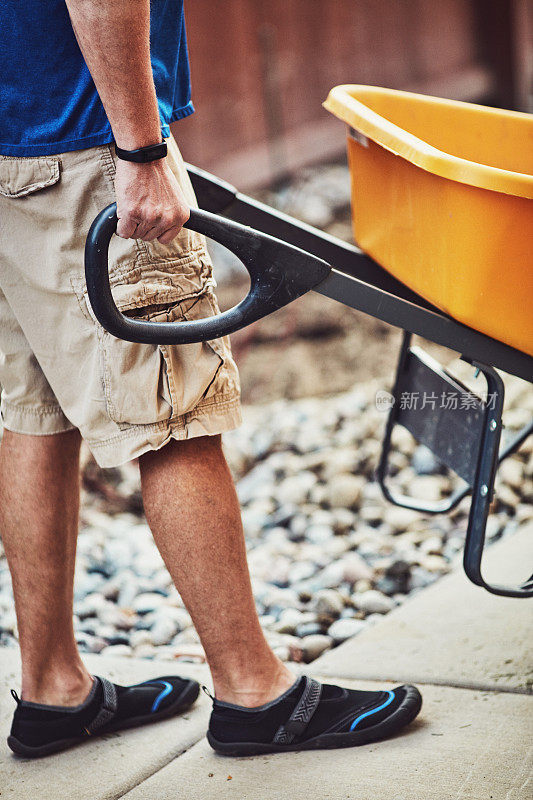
<point x="262" y="68"/>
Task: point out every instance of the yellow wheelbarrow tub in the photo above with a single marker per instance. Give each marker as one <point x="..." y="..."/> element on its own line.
<point x="442" y="197"/>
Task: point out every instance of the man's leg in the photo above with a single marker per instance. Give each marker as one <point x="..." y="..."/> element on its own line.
<point x="192" y="508"/>
<point x="39" y="504"/>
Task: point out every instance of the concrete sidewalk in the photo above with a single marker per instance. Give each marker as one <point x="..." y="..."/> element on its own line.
<point x="467" y="650"/>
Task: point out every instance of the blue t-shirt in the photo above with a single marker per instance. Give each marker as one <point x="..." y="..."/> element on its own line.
<point x="48" y="101"/>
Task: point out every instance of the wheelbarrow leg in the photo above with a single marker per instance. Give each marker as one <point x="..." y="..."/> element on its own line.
<point x="483" y="488"/>
<point x="465" y="438"/>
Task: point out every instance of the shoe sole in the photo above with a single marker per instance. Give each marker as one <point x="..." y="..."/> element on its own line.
<point x="404" y="714"/>
<point x="182" y="703"/>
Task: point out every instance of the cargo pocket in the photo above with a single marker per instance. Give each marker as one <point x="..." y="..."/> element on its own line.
<point x="192" y="369"/>
<point x="23" y="176"/>
<point x="146" y="384"/>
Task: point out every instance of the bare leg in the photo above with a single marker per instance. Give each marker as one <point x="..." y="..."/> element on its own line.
<point x="192" y="508"/>
<point x="39" y="504"/>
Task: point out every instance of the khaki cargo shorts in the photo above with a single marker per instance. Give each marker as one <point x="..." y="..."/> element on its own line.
<point x="59" y="369"/>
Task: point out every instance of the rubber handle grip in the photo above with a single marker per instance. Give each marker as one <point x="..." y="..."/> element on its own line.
<point x="279" y="273"/>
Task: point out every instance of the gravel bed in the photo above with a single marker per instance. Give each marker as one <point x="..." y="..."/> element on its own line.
<point x="327" y="554"/>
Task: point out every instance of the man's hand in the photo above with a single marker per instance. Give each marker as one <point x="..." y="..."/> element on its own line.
<point x="150" y="202"/>
<point x="114" y="37"/>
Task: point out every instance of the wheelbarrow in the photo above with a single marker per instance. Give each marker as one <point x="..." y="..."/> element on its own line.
<point x="446" y="227"/>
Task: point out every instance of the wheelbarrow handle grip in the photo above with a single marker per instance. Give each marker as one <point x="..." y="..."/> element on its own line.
<point x="279" y="273"/>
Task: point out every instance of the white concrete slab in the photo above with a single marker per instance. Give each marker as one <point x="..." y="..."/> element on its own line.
<point x="103" y="768"/>
<point x="452" y="633"/>
<point x="466" y="745"/>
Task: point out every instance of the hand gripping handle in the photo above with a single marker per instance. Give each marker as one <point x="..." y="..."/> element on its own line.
<point x="279" y="273"/>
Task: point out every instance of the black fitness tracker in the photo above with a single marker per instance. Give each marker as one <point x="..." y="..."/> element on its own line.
<point x="143" y="155"/>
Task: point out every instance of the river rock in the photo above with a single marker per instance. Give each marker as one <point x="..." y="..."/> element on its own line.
<point x="319" y="534"/>
<point x="349" y="568"/>
<point x="308" y="629"/>
<point x="313" y="646"/>
<point x="373" y="602"/>
<point x="506" y="495"/>
<point x="146" y="650"/>
<point x="400" y="518"/>
<point x="343" y="629"/>
<point x="371" y="514"/>
<point x="164" y="630"/>
<point x="189" y="652"/>
<point x="96" y="644"/>
<point x="301" y="570"/>
<point x="290" y="618"/>
<point x="420" y="578"/>
<point x="424" y="461"/>
<point x="117" y="650"/>
<point x="355" y="568"/>
<point x="327" y="602"/>
<point x="281" y="598"/>
<point x="434" y="564"/>
<point x="118" y="618"/>
<point x="432" y="546"/>
<point x="90" y="606"/>
<point x="427" y="487"/>
<point x="345" y="491"/>
<point x="296" y="488"/>
<point x="8" y="622"/>
<point x="343" y="520"/>
<point x="147" y="602"/>
<point x="87" y="583"/>
<point x="138" y="638"/>
<point x="129" y="588"/>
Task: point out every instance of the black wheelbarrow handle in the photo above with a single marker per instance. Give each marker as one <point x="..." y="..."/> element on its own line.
<point x="279" y="273"/>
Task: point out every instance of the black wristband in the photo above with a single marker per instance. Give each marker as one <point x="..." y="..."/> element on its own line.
<point x="144" y="154"/>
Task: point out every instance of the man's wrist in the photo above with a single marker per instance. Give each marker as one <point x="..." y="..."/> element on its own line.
<point x="143" y="155"/>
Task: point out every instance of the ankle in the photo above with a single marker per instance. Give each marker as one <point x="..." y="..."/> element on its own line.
<point x="59" y="686"/>
<point x="254" y="689"/>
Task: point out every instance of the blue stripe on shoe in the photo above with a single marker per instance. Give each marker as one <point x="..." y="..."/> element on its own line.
<point x="161" y="696"/>
<point x="387" y="702"/>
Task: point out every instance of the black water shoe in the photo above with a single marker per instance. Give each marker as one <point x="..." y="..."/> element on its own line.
<point x="311" y="715"/>
<point x="38" y="729"/>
